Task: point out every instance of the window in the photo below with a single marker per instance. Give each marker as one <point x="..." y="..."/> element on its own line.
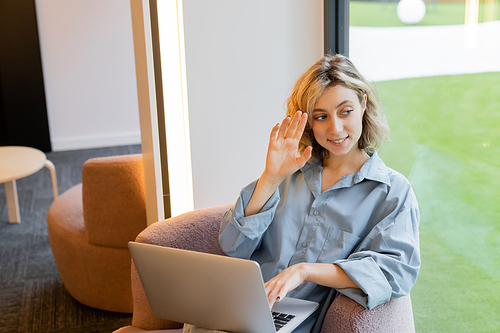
<point x="439" y="81"/>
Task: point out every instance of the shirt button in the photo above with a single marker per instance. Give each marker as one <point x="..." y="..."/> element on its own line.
<point x="304" y="244"/>
<point x="316" y="212"/>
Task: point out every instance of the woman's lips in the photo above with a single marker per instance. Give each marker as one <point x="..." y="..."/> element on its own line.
<point x="338" y="141"/>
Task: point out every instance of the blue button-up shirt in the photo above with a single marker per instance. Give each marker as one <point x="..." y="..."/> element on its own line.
<point x="367" y="224"/>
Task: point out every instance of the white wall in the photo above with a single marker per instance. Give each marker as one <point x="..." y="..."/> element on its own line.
<point x="242" y="59"/>
<point x="89" y="72"/>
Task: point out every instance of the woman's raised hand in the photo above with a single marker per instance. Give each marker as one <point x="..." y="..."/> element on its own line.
<point x="282" y="159"/>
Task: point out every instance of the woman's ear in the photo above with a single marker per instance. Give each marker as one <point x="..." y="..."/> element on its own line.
<point x="365" y="98"/>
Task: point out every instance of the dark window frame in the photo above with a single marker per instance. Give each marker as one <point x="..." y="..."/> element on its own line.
<point x="336" y="27"/>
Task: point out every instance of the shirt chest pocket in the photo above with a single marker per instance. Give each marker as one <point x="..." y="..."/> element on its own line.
<point x="338" y="244"/>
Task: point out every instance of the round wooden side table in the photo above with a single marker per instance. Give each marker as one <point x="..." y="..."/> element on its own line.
<point x="18" y="162"/>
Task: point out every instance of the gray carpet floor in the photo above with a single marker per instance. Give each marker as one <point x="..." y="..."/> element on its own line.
<point x="32" y="295"/>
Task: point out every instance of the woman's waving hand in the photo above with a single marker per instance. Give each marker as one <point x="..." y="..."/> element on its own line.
<point x="281" y="159"/>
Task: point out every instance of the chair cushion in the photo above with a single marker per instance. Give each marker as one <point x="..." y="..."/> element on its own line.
<point x="68" y="207"/>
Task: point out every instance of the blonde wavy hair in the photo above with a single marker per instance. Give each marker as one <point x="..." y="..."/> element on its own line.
<point x="327" y="72"/>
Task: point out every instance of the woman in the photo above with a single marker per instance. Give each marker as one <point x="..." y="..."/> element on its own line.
<point x="326" y="212"/>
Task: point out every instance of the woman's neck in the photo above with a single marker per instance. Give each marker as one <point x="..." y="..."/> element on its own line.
<point x="334" y="167"/>
<point x="352" y="161"/>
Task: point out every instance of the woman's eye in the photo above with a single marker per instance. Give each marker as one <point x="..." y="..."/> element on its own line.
<point x="347" y="111"/>
<point x="319" y="117"/>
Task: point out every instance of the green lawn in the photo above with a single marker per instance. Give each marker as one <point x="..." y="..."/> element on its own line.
<point x="445" y="133"/>
<point x="383" y="14"/>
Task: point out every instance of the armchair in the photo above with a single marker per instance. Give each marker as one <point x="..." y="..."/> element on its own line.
<point x="90" y="226"/>
<point x="198" y="231"/>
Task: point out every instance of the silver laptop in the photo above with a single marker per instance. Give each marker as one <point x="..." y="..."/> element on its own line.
<point x="212" y="291"/>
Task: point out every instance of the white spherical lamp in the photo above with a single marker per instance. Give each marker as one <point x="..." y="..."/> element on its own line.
<point x="411" y="11"/>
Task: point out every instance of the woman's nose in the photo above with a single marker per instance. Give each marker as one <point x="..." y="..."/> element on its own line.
<point x="336" y="126"/>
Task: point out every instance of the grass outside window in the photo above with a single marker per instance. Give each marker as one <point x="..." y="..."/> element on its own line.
<point x="383" y="14"/>
<point x="446" y="140"/>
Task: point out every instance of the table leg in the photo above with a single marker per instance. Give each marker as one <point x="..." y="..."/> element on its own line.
<point x="12" y="202"/>
<point x="52" y="169"/>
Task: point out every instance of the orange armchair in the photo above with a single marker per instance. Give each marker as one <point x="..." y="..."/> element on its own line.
<point x="89" y="228"/>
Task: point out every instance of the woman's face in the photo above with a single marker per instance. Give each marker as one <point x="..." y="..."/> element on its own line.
<point x="337" y="120"/>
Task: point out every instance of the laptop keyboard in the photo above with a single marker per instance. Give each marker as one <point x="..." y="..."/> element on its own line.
<point x="281" y="319"/>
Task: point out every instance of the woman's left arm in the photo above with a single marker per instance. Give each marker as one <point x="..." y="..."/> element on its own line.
<point x="385" y="265"/>
<point x="387" y="262"/>
<point x="327" y="275"/>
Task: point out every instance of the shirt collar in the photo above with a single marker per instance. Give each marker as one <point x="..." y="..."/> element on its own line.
<point x="373" y="169"/>
<point x="312" y="163"/>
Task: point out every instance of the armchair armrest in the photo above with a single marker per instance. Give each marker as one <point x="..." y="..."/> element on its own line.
<point x="195" y="231"/>
<point x="347" y="316"/>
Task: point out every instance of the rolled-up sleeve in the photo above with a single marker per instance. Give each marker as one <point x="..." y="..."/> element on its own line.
<point x="240" y="236"/>
<point x="387" y="262"/>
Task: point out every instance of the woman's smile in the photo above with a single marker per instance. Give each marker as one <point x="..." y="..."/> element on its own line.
<point x="339" y="141"/>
